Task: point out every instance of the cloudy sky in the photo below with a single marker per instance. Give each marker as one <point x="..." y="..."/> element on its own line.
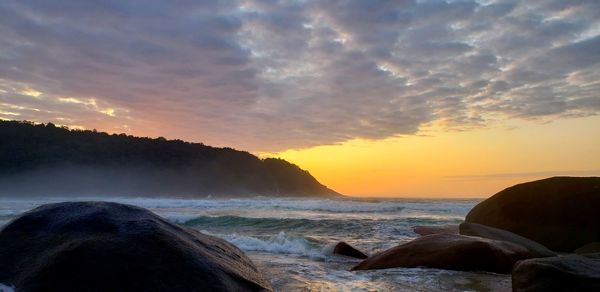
<point x="269" y="76"/>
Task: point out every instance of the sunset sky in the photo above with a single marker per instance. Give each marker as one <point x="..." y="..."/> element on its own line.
<point x="376" y="98"/>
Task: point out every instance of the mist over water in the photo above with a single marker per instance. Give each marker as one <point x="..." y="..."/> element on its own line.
<point x="291" y="240"/>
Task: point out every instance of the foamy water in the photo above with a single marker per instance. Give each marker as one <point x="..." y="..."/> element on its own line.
<point x="291" y="240"/>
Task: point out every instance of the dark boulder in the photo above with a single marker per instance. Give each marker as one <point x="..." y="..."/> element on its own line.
<point x="474" y="229"/>
<point x="560" y="213"/>
<point x="561" y="273"/>
<point x="435" y="229"/>
<point x="451" y="252"/>
<point x="345" y="249"/>
<point x="115" y="247"/>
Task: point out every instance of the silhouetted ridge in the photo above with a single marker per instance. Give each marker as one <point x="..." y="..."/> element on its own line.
<point x="38" y="159"/>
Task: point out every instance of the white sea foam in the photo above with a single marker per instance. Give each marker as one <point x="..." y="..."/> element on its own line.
<point x="6" y="213"/>
<point x="281" y="243"/>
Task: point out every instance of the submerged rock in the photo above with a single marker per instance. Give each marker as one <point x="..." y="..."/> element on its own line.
<point x="439" y="229"/>
<point x="345" y="249"/>
<point x="560" y="213"/>
<point x="110" y="246"/>
<point x="474" y="229"/>
<point x="451" y="252"/>
<point x="561" y="273"/>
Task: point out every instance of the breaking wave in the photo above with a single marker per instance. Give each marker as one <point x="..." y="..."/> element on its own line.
<point x="280" y="243"/>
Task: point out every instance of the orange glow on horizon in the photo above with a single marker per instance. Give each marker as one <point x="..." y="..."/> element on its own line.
<point x="475" y="163"/>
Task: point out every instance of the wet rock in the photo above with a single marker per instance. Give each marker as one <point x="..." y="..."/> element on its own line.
<point x="561" y="273"/>
<point x="115" y="247"/>
<point x="451" y="252"/>
<point x="560" y="213"/>
<point x="474" y="229"/>
<point x="345" y="249"/>
<point x="432" y="229"/>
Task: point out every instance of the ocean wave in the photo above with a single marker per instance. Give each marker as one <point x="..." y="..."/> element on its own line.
<point x="338" y="206"/>
<point x="9" y="213"/>
<point x="318" y="205"/>
<point x="352" y="206"/>
<point x="459" y="207"/>
<point x="281" y="243"/>
<point x="217" y="221"/>
<point x="356" y="229"/>
<point x="274" y="223"/>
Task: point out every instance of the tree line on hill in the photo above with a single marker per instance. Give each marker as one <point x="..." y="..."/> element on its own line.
<point x="44" y="159"/>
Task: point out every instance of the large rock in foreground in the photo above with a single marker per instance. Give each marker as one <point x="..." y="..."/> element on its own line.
<point x="474" y="229"/>
<point x="114" y="247"/>
<point x="560" y="213"/>
<point x="562" y="273"/>
<point x="451" y="252"/>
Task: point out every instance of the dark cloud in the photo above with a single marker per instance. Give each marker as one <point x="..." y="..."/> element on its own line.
<point x="272" y="75"/>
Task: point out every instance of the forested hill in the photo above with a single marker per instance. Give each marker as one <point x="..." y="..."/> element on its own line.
<point x="46" y="160"/>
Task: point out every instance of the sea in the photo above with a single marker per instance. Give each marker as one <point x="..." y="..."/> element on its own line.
<point x="291" y="240"/>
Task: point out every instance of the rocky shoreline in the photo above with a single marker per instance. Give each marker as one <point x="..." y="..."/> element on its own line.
<point x="497" y="236"/>
<point x="110" y="246"/>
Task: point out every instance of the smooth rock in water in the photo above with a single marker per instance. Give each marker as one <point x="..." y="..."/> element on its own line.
<point x="113" y="247"/>
<point x="593" y="247"/>
<point x="561" y="273"/>
<point x="345" y="249"/>
<point x="432" y="229"/>
<point x="450" y="252"/>
<point x="474" y="229"/>
<point x="560" y="213"/>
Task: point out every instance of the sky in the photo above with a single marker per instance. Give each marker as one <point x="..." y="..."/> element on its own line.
<point x="379" y="98"/>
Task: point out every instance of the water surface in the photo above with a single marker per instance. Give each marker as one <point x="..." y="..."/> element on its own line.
<point x="291" y="240"/>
